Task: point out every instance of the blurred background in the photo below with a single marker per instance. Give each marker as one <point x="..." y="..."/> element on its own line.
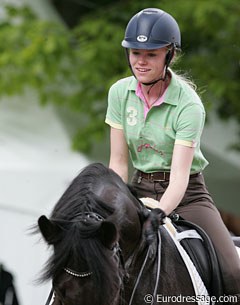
<point x="58" y="59"/>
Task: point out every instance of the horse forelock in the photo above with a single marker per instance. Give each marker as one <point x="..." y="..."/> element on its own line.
<point x="82" y="251"/>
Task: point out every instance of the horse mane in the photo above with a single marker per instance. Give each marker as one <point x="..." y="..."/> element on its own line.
<point x="93" y="177"/>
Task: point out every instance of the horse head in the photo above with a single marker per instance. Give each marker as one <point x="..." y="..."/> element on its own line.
<point x="95" y="218"/>
<point x="85" y="261"/>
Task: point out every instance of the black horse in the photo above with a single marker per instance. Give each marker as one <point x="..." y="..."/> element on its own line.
<point x="108" y="249"/>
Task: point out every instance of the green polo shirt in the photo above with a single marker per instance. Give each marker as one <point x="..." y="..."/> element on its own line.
<point x="178" y="120"/>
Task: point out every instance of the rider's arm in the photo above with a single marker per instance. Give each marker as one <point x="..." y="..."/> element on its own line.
<point x="119" y="153"/>
<point x="179" y="177"/>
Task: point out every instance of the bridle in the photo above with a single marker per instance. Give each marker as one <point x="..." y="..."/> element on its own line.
<point x="77" y="274"/>
<point x="117" y="251"/>
<point x="71" y="272"/>
<point x="85" y="217"/>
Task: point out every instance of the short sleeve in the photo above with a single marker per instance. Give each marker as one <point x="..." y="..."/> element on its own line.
<point x="113" y="116"/>
<point x="190" y="125"/>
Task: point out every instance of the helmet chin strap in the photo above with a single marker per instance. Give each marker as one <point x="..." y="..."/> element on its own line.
<point x="157" y="80"/>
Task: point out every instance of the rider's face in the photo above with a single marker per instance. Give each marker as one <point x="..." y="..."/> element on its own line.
<point x="147" y="65"/>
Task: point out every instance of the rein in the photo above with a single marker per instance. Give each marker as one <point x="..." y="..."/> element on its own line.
<point x="49" y="297"/>
<point x="142" y="268"/>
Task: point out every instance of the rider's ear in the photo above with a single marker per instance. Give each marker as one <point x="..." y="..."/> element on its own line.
<point x="50" y="231"/>
<point x="108" y="234"/>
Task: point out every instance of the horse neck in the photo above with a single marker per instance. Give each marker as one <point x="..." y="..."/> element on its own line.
<point x="126" y="216"/>
<point x="142" y="249"/>
<point x="128" y="248"/>
<point x="130" y="238"/>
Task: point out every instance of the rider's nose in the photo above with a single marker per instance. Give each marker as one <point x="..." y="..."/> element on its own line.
<point x="142" y="59"/>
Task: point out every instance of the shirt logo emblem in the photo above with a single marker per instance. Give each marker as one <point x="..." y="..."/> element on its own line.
<point x="142" y="38"/>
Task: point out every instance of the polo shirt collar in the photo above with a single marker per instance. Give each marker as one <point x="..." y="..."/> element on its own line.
<point x="173" y="91"/>
<point x="132" y="86"/>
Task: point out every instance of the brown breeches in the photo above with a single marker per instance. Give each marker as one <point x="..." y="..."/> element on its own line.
<point x="198" y="207"/>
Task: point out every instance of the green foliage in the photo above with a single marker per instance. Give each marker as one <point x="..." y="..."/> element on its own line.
<point x="75" y="68"/>
<point x="213" y="51"/>
<point x="36" y="54"/>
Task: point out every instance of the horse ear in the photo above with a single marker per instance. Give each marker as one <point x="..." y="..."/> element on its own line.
<point x="48" y="229"/>
<point x="108" y="234"/>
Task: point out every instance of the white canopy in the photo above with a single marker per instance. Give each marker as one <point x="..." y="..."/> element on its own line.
<point x="36" y="166"/>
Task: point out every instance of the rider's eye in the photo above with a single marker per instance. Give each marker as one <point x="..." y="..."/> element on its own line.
<point x="152" y="54"/>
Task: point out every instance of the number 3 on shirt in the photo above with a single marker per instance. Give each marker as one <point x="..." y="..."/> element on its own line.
<point x="131" y="116"/>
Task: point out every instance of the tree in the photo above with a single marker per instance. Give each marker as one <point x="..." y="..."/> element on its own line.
<point x="75" y="67"/>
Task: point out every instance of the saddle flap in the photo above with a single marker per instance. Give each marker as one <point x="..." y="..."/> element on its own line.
<point x="202" y="254"/>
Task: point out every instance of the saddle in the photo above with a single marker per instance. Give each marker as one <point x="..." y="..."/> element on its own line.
<point x="202" y="253"/>
<point x="199" y="248"/>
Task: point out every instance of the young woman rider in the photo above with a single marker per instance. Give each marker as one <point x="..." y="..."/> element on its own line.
<point x="157" y="117"/>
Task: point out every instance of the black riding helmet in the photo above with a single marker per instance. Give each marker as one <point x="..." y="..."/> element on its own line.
<point x="151" y="29"/>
